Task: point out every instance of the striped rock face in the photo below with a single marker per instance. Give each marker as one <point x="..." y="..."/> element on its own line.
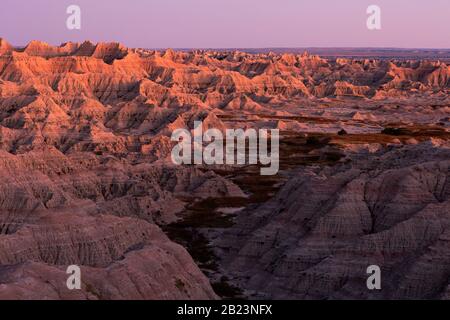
<point x="87" y="180"/>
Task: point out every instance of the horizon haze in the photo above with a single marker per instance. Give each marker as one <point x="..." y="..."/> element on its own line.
<point x="252" y="24"/>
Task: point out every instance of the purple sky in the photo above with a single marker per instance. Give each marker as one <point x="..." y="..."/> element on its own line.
<point x="230" y="23"/>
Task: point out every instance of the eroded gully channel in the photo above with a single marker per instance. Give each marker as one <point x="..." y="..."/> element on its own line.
<point x="202" y="215"/>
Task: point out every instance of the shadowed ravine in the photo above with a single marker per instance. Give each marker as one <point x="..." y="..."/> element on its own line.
<point x="296" y="151"/>
<point x="203" y="216"/>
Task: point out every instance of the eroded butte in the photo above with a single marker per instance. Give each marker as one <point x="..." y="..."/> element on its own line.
<point x="86" y="175"/>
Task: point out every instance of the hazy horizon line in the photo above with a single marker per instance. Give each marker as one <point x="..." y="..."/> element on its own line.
<point x="239" y="48"/>
<point x="296" y="48"/>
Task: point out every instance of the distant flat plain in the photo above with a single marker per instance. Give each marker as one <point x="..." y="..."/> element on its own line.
<point x="353" y="53"/>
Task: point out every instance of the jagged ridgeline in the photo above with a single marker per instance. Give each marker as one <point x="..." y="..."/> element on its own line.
<point x="86" y="176"/>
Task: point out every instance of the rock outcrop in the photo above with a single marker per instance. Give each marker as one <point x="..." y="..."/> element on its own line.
<point x="86" y="176"/>
<point x="318" y="236"/>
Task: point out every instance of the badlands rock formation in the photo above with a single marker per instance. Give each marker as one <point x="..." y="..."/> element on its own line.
<point x="86" y="176"/>
<point x="317" y="237"/>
